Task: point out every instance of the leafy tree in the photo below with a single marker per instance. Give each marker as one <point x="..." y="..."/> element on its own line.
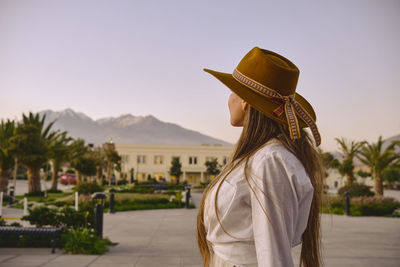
<point x="391" y="174"/>
<point x="346" y="168"/>
<point x="100" y="161"/>
<point x="85" y="165"/>
<point x="363" y="174"/>
<point x="7" y="129"/>
<point x="349" y="151"/>
<point x="112" y="159"/>
<point x="32" y="141"/>
<point x="213" y="168"/>
<point x="329" y="161"/>
<point x="176" y="168"/>
<point x="59" y="154"/>
<point x="78" y="149"/>
<point x="378" y="160"/>
<point x="131" y="172"/>
<point x="356" y="190"/>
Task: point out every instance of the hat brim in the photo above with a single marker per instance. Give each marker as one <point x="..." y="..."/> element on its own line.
<point x="263" y="103"/>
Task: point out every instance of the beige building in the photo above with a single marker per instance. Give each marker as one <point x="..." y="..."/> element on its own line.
<point x="335" y="180"/>
<point x="155" y="160"/>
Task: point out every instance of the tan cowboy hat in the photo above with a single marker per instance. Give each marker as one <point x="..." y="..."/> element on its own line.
<point x="267" y="81"/>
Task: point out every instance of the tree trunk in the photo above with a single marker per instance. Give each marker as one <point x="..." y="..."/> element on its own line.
<point x="15" y="173"/>
<point x="109" y="169"/>
<point x="378" y="185"/>
<point x="34" y="180"/>
<point x="54" y="175"/>
<point x="78" y="177"/>
<point x="4" y="181"/>
<point x="349" y="179"/>
<point x="99" y="174"/>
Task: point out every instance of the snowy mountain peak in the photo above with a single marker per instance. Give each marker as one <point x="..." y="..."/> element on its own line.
<point x="128" y="120"/>
<point x="127" y="129"/>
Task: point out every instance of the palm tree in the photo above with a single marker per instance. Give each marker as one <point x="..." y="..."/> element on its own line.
<point x="7" y="129"/>
<point x="77" y="150"/>
<point x="112" y="158"/>
<point x="378" y="160"/>
<point x="32" y="139"/>
<point x="100" y="161"/>
<point x="59" y="153"/>
<point x="349" y="151"/>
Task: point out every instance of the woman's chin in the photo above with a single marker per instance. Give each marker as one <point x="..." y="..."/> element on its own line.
<point x="236" y="124"/>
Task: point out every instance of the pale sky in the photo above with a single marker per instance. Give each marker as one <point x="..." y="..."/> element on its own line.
<point x="108" y="58"/>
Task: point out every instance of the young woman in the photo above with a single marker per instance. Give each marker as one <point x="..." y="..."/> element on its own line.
<point x="267" y="198"/>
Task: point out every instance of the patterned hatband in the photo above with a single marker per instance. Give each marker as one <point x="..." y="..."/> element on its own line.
<point x="287" y="104"/>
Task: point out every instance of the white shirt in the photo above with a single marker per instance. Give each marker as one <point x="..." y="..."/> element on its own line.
<point x="287" y="201"/>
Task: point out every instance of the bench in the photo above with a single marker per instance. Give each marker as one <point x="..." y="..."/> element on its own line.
<point x="6" y="231"/>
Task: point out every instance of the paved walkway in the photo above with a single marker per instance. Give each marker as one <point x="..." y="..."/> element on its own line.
<point x="167" y="238"/>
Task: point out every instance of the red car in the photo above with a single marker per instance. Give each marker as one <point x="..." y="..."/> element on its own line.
<point x="68" y="178"/>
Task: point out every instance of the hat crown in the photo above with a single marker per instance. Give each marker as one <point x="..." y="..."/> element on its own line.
<point x="271" y="70"/>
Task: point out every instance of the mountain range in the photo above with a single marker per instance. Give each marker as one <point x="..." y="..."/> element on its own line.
<point x="126" y="129"/>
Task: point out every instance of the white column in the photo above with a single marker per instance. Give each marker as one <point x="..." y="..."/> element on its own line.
<point x="25" y="206"/>
<point x="202" y="177"/>
<point x="184" y="176"/>
<point x="76" y="200"/>
<point x="1" y="204"/>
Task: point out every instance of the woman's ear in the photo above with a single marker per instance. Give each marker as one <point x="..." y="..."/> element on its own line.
<point x="244" y="105"/>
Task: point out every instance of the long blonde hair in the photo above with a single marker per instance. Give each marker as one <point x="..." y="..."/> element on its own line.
<point x="257" y="130"/>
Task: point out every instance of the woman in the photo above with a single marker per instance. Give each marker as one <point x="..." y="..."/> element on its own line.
<point x="267" y="198"/>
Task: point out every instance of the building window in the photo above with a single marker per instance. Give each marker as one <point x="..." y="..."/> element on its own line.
<point x="225" y="160"/>
<point x="159" y="176"/>
<point x="141" y="159"/>
<point x="125" y="158"/>
<point x="192" y="160"/>
<point x="158" y="159"/>
<point x="141" y="176"/>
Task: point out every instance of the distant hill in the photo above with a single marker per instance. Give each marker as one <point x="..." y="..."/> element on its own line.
<point x="126" y="129"/>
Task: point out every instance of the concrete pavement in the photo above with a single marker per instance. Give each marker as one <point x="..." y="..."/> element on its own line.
<point x="168" y="238"/>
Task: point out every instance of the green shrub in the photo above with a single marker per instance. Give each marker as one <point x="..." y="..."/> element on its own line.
<point x="122" y="182"/>
<point x="54" y="191"/>
<point x="356" y="190"/>
<point x="25" y="241"/>
<point x="84" y="241"/>
<point x="35" y="194"/>
<point x="396" y="213"/>
<point x="71" y="218"/>
<point x="151" y="201"/>
<point x="41" y="216"/>
<point x="337" y="210"/>
<point x="15" y="224"/>
<point x="361" y="206"/>
<point x="146" y="206"/>
<point x="139" y="188"/>
<point x="66" y="216"/>
<point x="175" y="186"/>
<point x="88" y="188"/>
<point x="373" y="206"/>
